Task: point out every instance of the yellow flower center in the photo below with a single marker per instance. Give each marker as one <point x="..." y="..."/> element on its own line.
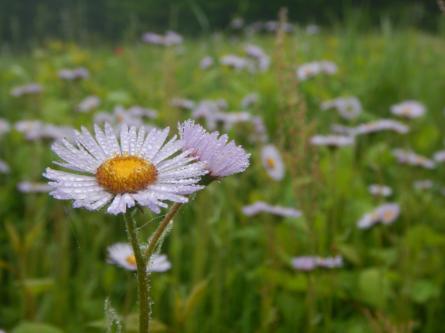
<point x="388" y="215"/>
<point x="126" y="174"/>
<point x="131" y="260"/>
<point x="271" y="164"/>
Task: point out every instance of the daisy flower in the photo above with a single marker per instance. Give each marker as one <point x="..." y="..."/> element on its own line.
<point x="408" y="109"/>
<point x="257" y="53"/>
<point x="332" y="141"/>
<point x="410" y="158"/>
<point x="423" y="184"/>
<point x="182" y="103"/>
<point x="272" y="162"/>
<point x="380" y="190"/>
<point x="236" y="62"/>
<point x="88" y="103"/>
<point x="347" y="107"/>
<point x="439" y="156"/>
<point x="4" y="167"/>
<point x="206" y="63"/>
<point x="310" y="263"/>
<point x="312" y="69"/>
<point x="121" y="254"/>
<point x="386" y="214"/>
<point x="5" y="127"/>
<point x="380" y="126"/>
<point x="221" y="156"/>
<point x="137" y="168"/>
<point x="263" y="207"/>
<point x="27" y="89"/>
<point x="80" y="73"/>
<point x="250" y="100"/>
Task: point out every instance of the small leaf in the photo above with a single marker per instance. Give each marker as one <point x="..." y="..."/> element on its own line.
<point x="13" y="237"/>
<point x="374" y="287"/>
<point x="195" y="297"/>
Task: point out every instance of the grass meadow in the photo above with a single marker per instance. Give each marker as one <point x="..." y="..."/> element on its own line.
<point x="231" y="272"/>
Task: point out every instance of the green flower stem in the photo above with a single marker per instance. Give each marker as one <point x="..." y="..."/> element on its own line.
<point x="142" y="276"/>
<point x="160" y="230"/>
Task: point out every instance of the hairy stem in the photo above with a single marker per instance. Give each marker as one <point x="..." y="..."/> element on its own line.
<point x="142" y="276"/>
<point x="160" y="230"/>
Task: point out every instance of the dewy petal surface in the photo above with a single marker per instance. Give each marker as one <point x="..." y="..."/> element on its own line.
<point x="123" y="170"/>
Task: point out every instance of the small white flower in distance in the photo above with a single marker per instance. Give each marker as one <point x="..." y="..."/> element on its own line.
<point x="423" y="184"/>
<point x="4" y="167"/>
<point x="342" y="130"/>
<point x="260" y="131"/>
<point x="137" y="168"/>
<point x="88" y="103"/>
<point x="237" y="23"/>
<point x="263" y="207"/>
<point x="258" y="54"/>
<point x="206" y="63"/>
<point x="439" y="156"/>
<point x="332" y="141"/>
<point x="410" y="158"/>
<point x="221" y="156"/>
<point x="250" y="100"/>
<point x="236" y="62"/>
<point x="33" y="187"/>
<point x="27" y="89"/>
<point x="272" y="162"/>
<point x="381" y="125"/>
<point x="312" y="29"/>
<point x="80" y="73"/>
<point x="330" y="262"/>
<point x="310" y="263"/>
<point x="304" y="263"/>
<point x="347" y="107"/>
<point x="408" y="109"/>
<point x="5" y="127"/>
<point x="36" y="130"/>
<point x="386" y="214"/>
<point x="182" y="103"/>
<point x="380" y="190"/>
<point x="308" y="70"/>
<point x="121" y="254"/>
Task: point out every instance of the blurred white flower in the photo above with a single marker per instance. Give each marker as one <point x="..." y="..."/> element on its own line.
<point x="133" y="116"/>
<point x="332" y="141"/>
<point x="423" y="184"/>
<point x="138" y="168"/>
<point x="310" y="263"/>
<point x="410" y="158"/>
<point x="236" y="62"/>
<point x="88" y="103"/>
<point x="381" y="125"/>
<point x="5" y="127"/>
<point x="272" y="162"/>
<point x="408" y="109"/>
<point x="380" y="190"/>
<point x="347" y="107"/>
<point x="27" y="89"/>
<point x="263" y="207"/>
<point x="206" y="62"/>
<point x="37" y="130"/>
<point x="80" y="73"/>
<point x="258" y="54"/>
<point x="170" y="38"/>
<point x="311" y="69"/>
<point x="182" y="103"/>
<point x="121" y="254"/>
<point x="237" y="23"/>
<point x="439" y="156"/>
<point x="4" y="167"/>
<point x="250" y="100"/>
<point x="386" y="214"/>
<point x="260" y="131"/>
<point x="312" y="29"/>
<point x="33" y="187"/>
